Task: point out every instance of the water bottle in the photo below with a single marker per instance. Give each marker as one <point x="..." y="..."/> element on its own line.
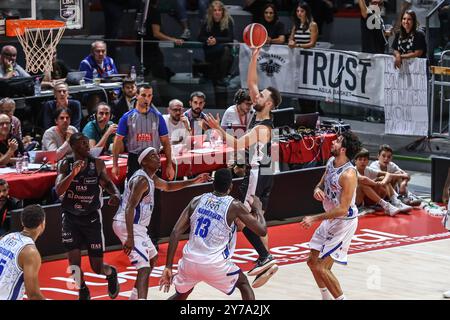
<point x="19" y="164"/>
<point x="37" y="87"/>
<point x="95" y="77"/>
<point x="133" y="73"/>
<point x="25" y="163"/>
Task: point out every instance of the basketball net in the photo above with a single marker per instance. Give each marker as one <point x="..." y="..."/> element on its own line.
<point x="39" y="46"/>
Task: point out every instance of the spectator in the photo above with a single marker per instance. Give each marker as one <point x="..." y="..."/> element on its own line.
<point x="7" y="204"/>
<point x="304" y="32"/>
<point x="62" y="101"/>
<point x="421" y="8"/>
<point x="143" y="127"/>
<point x="215" y="33"/>
<point x="241" y="112"/>
<point x="8" y="107"/>
<point x="255" y="7"/>
<point x="410" y="41"/>
<point x="153" y="57"/>
<point x="10" y="145"/>
<point x="126" y="102"/>
<point x="100" y="131"/>
<point x="8" y="65"/>
<point x="374" y="186"/>
<point x="90" y="103"/>
<point x="401" y="178"/>
<point x="177" y="123"/>
<point x="373" y="35"/>
<point x="275" y="28"/>
<point x="58" y="73"/>
<point x="195" y="114"/>
<point x="181" y="9"/>
<point x="98" y="61"/>
<point x="57" y="137"/>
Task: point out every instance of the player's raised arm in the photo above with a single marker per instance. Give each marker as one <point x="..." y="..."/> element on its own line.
<point x="252" y="75"/>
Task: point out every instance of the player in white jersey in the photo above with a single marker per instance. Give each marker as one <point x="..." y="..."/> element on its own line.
<point x="337" y="191"/>
<point x="212" y="240"/>
<point x="20" y="260"/>
<point x="135" y="212"/>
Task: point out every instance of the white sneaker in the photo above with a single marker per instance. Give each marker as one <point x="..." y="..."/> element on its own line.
<point x="391" y="210"/>
<point x="403" y="207"/>
<point x="446" y="294"/>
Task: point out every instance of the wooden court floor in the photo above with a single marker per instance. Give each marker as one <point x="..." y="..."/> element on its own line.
<point x="418" y="271"/>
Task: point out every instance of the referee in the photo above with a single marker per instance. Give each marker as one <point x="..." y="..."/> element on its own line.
<point x="143" y="127"/>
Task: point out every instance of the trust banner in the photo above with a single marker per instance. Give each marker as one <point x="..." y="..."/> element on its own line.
<point x="361" y="79"/>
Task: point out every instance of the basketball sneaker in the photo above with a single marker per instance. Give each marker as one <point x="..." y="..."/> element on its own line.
<point x="388" y="208"/>
<point x="113" y="284"/>
<point x="446" y="294"/>
<point x="84" y="294"/>
<point x="410" y="200"/>
<point x="262" y="265"/>
<point x="403" y="207"/>
<point x="263" y="277"/>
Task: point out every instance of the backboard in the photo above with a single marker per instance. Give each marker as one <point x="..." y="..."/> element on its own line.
<point x="72" y="12"/>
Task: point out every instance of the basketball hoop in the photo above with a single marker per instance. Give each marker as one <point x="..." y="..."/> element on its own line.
<point x="38" y="39"/>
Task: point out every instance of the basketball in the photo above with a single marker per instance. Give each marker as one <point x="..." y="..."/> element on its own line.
<point x="255" y="35"/>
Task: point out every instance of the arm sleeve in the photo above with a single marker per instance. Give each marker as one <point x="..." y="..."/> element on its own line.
<point x="162" y="129"/>
<point x="47" y="115"/>
<point x="88" y="131"/>
<point x="75" y="108"/>
<point x="122" y="128"/>
<point x="203" y="35"/>
<point x="279" y="30"/>
<point x="85" y="66"/>
<point x="395" y="43"/>
<point x="229" y="35"/>
<point x="420" y="43"/>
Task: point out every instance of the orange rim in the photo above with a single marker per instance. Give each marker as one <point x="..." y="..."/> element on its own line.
<point x="15" y="27"/>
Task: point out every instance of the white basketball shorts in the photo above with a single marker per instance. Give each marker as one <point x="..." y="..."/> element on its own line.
<point x="222" y="276"/>
<point x="143" y="250"/>
<point x="333" y="237"/>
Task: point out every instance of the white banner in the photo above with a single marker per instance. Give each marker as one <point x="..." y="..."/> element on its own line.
<point x="365" y="79"/>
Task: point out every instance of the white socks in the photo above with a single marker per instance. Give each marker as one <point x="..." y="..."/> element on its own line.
<point x="341" y="297"/>
<point x="326" y="295"/>
<point x="134" y="294"/>
<point x="383" y="204"/>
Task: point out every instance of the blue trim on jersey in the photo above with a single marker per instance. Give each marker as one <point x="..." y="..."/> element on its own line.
<point x="350" y="212"/>
<point x="134" y="262"/>
<point x="137" y="215"/>
<point x="234" y="272"/>
<point x="17" y="287"/>
<point x="332" y="250"/>
<point x="340" y="262"/>
<point x="141" y="254"/>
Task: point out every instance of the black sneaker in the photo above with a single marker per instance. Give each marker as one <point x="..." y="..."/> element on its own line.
<point x="113" y="283"/>
<point x="263" y="277"/>
<point x="262" y="265"/>
<point x="84" y="294"/>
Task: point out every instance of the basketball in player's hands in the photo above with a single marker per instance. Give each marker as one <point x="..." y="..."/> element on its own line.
<point x="255" y="35"/>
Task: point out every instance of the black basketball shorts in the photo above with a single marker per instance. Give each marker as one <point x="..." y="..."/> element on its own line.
<point x="83" y="232"/>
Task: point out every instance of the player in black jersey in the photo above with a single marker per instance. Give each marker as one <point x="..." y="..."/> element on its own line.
<point x="258" y="179"/>
<point x="80" y="181"/>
